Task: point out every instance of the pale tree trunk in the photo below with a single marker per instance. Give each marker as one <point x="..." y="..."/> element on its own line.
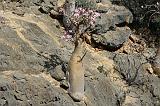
<point x="75" y="68"/>
<point x="76" y="72"/>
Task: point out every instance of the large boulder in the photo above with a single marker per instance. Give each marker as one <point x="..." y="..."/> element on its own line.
<point x="113" y="39"/>
<point x="115" y="15"/>
<point x="25" y="46"/>
<point x="96" y="90"/>
<point x="18" y="89"/>
<point x="130" y="67"/>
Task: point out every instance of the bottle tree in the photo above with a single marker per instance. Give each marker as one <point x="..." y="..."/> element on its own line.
<point x="78" y="19"/>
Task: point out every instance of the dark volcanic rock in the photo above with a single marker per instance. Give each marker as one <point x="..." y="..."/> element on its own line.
<point x="32" y="90"/>
<point x="57" y="73"/>
<point x="31" y="46"/>
<point x="18" y="12"/>
<point x="114" y="16"/>
<point x="130" y="67"/>
<point x="103" y="7"/>
<point x="155" y="86"/>
<point x="16" y="54"/>
<point x="135" y="6"/>
<point x="113" y="39"/>
<point x="46" y="8"/>
<point x="96" y="90"/>
<point x="33" y="49"/>
<point x="64" y="84"/>
<point x="28" y="3"/>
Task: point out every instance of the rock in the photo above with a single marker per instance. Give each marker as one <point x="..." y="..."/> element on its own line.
<point x="46" y="8"/>
<point x="2" y="21"/>
<point x="37" y="2"/>
<point x="31" y="45"/>
<point x="28" y="3"/>
<point x="19" y="12"/>
<point x="113" y="39"/>
<point x="19" y="76"/>
<point x="130" y="67"/>
<point x="103" y="8"/>
<point x="34" y="91"/>
<point x="154" y="87"/>
<point x="64" y="84"/>
<point x="115" y="15"/>
<point x="54" y="13"/>
<point x="149" y="52"/>
<point x="16" y="54"/>
<point x="60" y="3"/>
<point x="156" y="64"/>
<point x="96" y="90"/>
<point x="57" y="73"/>
<point x="135" y="6"/>
<point x="148" y="68"/>
<point x="105" y="1"/>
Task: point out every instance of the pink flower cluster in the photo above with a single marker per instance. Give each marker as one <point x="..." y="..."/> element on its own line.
<point x="88" y="15"/>
<point x="80" y="14"/>
<point x="67" y="36"/>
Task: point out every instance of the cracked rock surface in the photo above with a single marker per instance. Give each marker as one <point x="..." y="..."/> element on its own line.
<point x="34" y="58"/>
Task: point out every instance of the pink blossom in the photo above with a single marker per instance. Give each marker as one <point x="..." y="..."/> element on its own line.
<point x="92" y="23"/>
<point x="83" y="10"/>
<point x="90" y="11"/>
<point x="80" y="9"/>
<point x="67" y="36"/>
<point x="88" y="16"/>
<point x="76" y="15"/>
<point x="76" y="10"/>
<point x="97" y="14"/>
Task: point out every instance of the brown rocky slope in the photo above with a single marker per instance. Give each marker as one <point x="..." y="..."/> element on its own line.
<point x="33" y="60"/>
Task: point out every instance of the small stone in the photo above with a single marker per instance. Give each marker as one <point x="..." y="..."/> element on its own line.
<point x="19" y="76"/>
<point x="101" y="8"/>
<point x="148" y="68"/>
<point x="64" y="84"/>
<point x="46" y="8"/>
<point x="57" y="73"/>
<point x="19" y="12"/>
<point x="156" y="70"/>
<point x="54" y="13"/>
<point x="60" y="3"/>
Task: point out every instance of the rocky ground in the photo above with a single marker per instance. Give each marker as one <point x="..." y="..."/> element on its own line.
<point x="33" y="58"/>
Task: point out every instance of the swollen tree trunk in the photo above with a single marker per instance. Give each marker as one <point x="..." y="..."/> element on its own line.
<point x="76" y="72"/>
<point x="75" y="68"/>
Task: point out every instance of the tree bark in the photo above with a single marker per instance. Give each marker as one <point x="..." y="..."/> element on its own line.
<point x="75" y="68"/>
<point x="76" y="72"/>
